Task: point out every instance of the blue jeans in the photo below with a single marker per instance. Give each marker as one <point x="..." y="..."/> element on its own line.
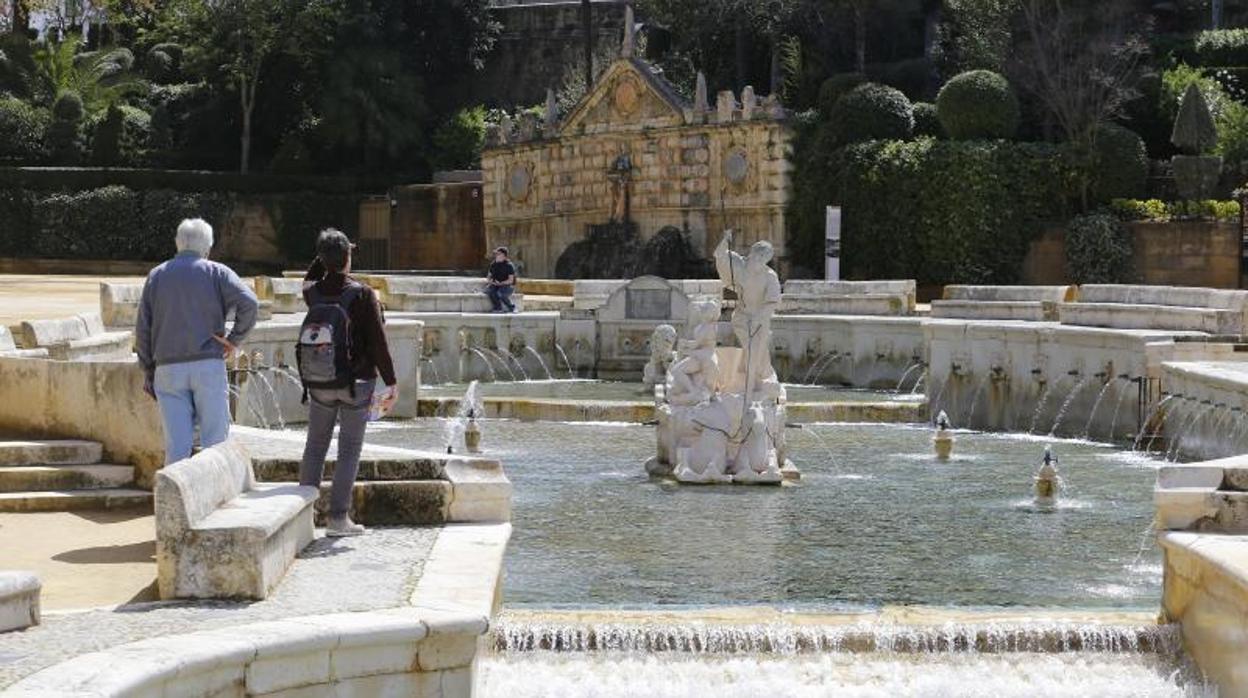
<point x="190" y="394"/>
<point x="500" y="296"/>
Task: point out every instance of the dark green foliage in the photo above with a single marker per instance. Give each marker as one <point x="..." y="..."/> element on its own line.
<point x="65" y="133"/>
<point x="16" y="207"/>
<point x="947" y="211"/>
<point x="979" y="104"/>
<point x="164" y="62"/>
<point x="926" y="121"/>
<point x="1222" y="47"/>
<point x="836" y="87"/>
<point x="1098" y="250"/>
<point x="457" y="143"/>
<point x="300" y="217"/>
<point x="18" y="70"/>
<point x="119" y="137"/>
<point x="870" y="112"/>
<point x="1121" y="164"/>
<point x="1194" y="130"/>
<point x="22" y="129"/>
<point x="912" y="76"/>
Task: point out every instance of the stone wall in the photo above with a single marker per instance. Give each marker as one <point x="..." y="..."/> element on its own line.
<point x="1180" y="253"/>
<point x="688" y="167"/>
<point x="539" y="43"/>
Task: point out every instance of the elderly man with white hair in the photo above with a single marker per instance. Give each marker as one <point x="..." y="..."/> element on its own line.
<point x="182" y="339"/>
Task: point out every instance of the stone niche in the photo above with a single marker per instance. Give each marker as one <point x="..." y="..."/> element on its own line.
<point x="634" y="153"/>
<point x="627" y="320"/>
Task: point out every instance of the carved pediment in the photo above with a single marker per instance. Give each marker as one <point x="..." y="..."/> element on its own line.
<point x="627" y="97"/>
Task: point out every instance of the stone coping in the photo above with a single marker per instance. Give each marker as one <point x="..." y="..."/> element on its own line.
<point x="422" y="647"/>
<point x="1055" y="294"/>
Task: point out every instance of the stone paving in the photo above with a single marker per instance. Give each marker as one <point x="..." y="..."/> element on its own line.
<point x="376" y="571"/>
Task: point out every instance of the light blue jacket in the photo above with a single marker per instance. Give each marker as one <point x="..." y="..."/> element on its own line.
<point x="185" y="302"/>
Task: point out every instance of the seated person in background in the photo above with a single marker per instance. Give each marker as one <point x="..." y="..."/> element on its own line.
<point x="501" y="281"/>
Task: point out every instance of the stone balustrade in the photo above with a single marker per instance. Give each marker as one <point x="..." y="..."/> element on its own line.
<point x="78" y="337"/>
<point x="219" y="533"/>
<point x="1177" y="308"/>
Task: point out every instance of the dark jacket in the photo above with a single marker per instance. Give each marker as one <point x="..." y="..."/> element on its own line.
<point x="370" y="354"/>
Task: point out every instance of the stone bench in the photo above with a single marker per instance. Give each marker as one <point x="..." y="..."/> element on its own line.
<point x="858" y="304"/>
<point x="9" y="348"/>
<point x="814" y="297"/>
<point x="219" y="533"/>
<point x="1175" y="308"/>
<point x="437" y="294"/>
<point x="119" y="304"/>
<point x="19" y="600"/>
<point x="78" y="337"/>
<point x="1033" y="303"/>
<point x="284" y="294"/>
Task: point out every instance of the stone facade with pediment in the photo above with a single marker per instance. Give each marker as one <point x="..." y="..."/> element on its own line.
<point x="634" y="150"/>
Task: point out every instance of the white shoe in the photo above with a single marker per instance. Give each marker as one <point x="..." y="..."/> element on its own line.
<point x="343" y="527"/>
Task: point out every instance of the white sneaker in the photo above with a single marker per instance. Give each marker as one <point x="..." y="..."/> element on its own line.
<point x="343" y="527"/>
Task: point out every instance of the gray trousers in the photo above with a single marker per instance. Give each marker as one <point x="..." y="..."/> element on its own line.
<point x="325" y="407"/>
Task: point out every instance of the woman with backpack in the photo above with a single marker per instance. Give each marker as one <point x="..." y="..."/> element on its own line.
<point x="342" y="349"/>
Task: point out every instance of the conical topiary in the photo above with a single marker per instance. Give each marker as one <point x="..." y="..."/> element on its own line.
<point x="1194" y="130"/>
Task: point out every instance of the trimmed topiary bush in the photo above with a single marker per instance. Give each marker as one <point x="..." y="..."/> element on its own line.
<point x="836" y="87"/>
<point x="22" y="128"/>
<point x="926" y="122"/>
<point x="120" y="136"/>
<point x="1195" y="174"/>
<point x="65" y="133"/>
<point x="978" y="105"/>
<point x="1121" y="164"/>
<point x="872" y="112"/>
<point x="1098" y="250"/>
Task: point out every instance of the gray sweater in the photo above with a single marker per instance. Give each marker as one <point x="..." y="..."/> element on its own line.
<point x="185" y="302"/>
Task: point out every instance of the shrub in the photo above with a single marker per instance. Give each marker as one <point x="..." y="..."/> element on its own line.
<point x="836" y="87"/>
<point x="120" y="136"/>
<point x="1157" y="210"/>
<point x="1233" y="136"/>
<point x="1121" y="164"/>
<point x="164" y="62"/>
<point x="457" y="143"/>
<point x="22" y="128"/>
<point x="64" y="137"/>
<point x="1098" y="250"/>
<point x="870" y="112"/>
<point x="1222" y="47"/>
<point x="18" y="69"/>
<point x="1174" y="83"/>
<point x="947" y="211"/>
<point x="979" y="104"/>
<point x="926" y="122"/>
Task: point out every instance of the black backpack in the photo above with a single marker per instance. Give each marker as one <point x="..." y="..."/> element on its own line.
<point x="324" y="351"/>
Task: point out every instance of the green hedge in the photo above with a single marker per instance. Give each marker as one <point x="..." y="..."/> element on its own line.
<point x="948" y="211"/>
<point x="1222" y="47"/>
<point x="1098" y="250"/>
<point x="1157" y="210"/>
<point x="872" y="111"/>
<point x="119" y="223"/>
<point x="22" y="129"/>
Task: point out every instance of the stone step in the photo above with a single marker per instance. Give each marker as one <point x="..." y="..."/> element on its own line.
<point x="19" y="600"/>
<point x="75" y="500"/>
<point x="50" y="452"/>
<point x="33" y="478"/>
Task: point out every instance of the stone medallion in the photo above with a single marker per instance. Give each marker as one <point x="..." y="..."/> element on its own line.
<point x="736" y="166"/>
<point x="519" y="182"/>
<point x="627" y="96"/>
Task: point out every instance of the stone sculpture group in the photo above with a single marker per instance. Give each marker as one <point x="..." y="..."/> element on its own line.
<point x="721" y="409"/>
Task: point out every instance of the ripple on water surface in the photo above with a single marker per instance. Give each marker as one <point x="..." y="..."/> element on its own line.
<point x="876" y="520"/>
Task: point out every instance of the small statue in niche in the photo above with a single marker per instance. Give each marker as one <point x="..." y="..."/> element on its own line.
<point x="620" y="173"/>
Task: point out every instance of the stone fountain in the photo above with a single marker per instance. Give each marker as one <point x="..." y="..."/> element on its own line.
<point x="721" y="409"/>
<point x="1047" y="481"/>
<point x="943" y="440"/>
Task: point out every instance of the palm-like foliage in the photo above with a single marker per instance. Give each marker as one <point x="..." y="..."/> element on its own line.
<point x="102" y="78"/>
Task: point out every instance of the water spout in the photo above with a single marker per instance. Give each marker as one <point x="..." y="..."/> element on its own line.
<point x="1047" y="482"/>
